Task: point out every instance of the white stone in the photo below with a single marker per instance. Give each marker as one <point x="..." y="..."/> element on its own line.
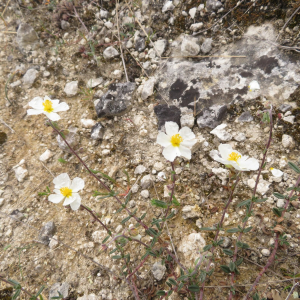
<point x="148" y="87"/>
<point x="20" y="173"/>
<point x="206" y="46"/>
<point x="168" y="6"/>
<point x="289" y="119"/>
<point x="288" y="141"/>
<point x="191" y="211"/>
<point x="145" y="194"/>
<point x="88" y="123"/>
<point x="221" y="133"/>
<point x="103" y="14"/>
<point x="160" y="46"/>
<point x="146" y="181"/>
<point x="46" y="73"/>
<point x="93" y="82"/>
<point x="240" y="137"/>
<point x="280" y="203"/>
<point x="105" y="151"/>
<point x="265" y="252"/>
<point x="158" y="270"/>
<point x="109" y="25"/>
<point x="187" y="120"/>
<point x="192" y="12"/>
<point x="110" y="52"/>
<point x="140" y="169"/>
<point x="129" y="44"/>
<point x="196" y="27"/>
<point x="201" y="7"/>
<point x="262" y="187"/>
<point x="190" y="246"/>
<point x="134" y="188"/>
<point x="159" y="166"/>
<point x="53" y="242"/>
<point x="30" y="77"/>
<point x="222" y="174"/>
<point x="116" y="74"/>
<point x="46" y="155"/>
<point x="71" y="88"/>
<point x="161" y="176"/>
<point x="189" y="47"/>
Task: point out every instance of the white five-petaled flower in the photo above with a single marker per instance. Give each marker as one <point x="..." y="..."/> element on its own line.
<point x="66" y="189"/>
<point x="276" y="172"/>
<point x="176" y="142"/>
<point x="227" y="156"/>
<point x="47" y="106"/>
<point x="253" y="86"/>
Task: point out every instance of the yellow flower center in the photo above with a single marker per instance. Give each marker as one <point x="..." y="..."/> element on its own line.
<point x="176" y="139"/>
<point x="48" y="106"/>
<point x="66" y="192"/>
<point x="234" y="156"/>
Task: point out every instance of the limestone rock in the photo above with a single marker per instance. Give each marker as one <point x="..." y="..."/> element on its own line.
<point x="116" y="100"/>
<point x="212" y="116"/>
<point x="206" y="46"/>
<point x="189" y="47"/>
<point x="148" y="87"/>
<point x="71" y="88"/>
<point x="166" y="113"/>
<point x="160" y="46"/>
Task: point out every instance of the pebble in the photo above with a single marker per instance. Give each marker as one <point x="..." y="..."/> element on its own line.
<point x="93" y="82"/>
<point x="21" y="173"/>
<point x="221" y="133"/>
<point x="47" y="232"/>
<point x="110" y="52"/>
<point x="196" y="26"/>
<point x="148" y="88"/>
<point x="158" y="270"/>
<point x="140" y="169"/>
<point x="189" y="47"/>
<point x="289" y="119"/>
<point x="168" y="6"/>
<point x="146" y="181"/>
<point x="160" y="46"/>
<point x="265" y="252"/>
<point x="192" y="12"/>
<point x="88" y="123"/>
<point x="145" y="194"/>
<point x="191" y="211"/>
<point x="30" y="77"/>
<point x="161" y="176"/>
<point x="280" y="203"/>
<point x="46" y="155"/>
<point x="97" y="131"/>
<point x="287" y="141"/>
<point x="159" y="166"/>
<point x="71" y="88"/>
<point x="206" y="46"/>
<point x="187" y="120"/>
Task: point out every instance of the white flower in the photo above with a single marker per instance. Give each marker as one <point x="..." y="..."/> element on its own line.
<point x="227" y="156"/>
<point x="47" y="106"/>
<point x="253" y="86"/>
<point x="276" y="172"/>
<point x="176" y="143"/>
<point x="66" y="189"/>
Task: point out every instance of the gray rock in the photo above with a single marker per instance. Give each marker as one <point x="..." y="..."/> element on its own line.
<point x="17" y="215"/>
<point x="226" y="242"/>
<point x="116" y="100"/>
<point x="191" y="212"/>
<point x="189" y="47"/>
<point x="140" y="169"/>
<point x="160" y="47"/>
<point x="212" y="116"/>
<point x="168" y="6"/>
<point x="148" y="87"/>
<point x="63" y="288"/>
<point x="206" y="46"/>
<point x="165" y="113"/>
<point x="103" y="14"/>
<point x="110" y="52"/>
<point x="140" y="44"/>
<point x="64" y="25"/>
<point x="71" y="88"/>
<point x="213" y="5"/>
<point x="285" y="107"/>
<point x="27" y="37"/>
<point x="46" y="233"/>
<point x="146" y="181"/>
<point x="30" y="77"/>
<point x="158" y="270"/>
<point x="287" y="141"/>
<point x="72" y="139"/>
<point x="97" y="131"/>
<point x="245" y="117"/>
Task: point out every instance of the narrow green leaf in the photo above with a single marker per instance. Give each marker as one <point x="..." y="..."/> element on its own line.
<point x="228" y="252"/>
<point x="294" y="167"/>
<point x="247" y="229"/>
<point x="207" y="247"/>
<point x="125" y="220"/>
<point x="159" y="203"/>
<point x="233" y="230"/>
<point x="173" y="281"/>
<point x="105" y="239"/>
<point x="225" y="269"/>
<point x="143" y="216"/>
<point x="278" y="195"/>
<point x="16" y="294"/>
<point x="116" y="257"/>
<point x="40" y="290"/>
<point x="242" y="245"/>
<point x="239" y="261"/>
<point x="243" y="203"/>
<point x="260" y="200"/>
<point x="231" y="266"/>
<point x="171" y="215"/>
<point x="181" y="285"/>
<point x="194" y="288"/>
<point x="208" y="229"/>
<point x="175" y="201"/>
<point x="276" y="211"/>
<point x="160" y="293"/>
<point x="183" y="278"/>
<point x="61" y="160"/>
<point x="113" y="251"/>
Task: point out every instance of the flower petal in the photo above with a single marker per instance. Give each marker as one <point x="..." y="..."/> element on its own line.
<point x="61" y="107"/>
<point x="70" y="199"/>
<point x="185" y="152"/>
<point x="225" y="150"/>
<point x="171" y="152"/>
<point x="276" y="172"/>
<point x="55" y="198"/>
<point x="62" y="180"/>
<point x="76" y="204"/>
<point x="37" y="103"/>
<point x="77" y="184"/>
<point x="171" y="128"/>
<point x="31" y="112"/>
<point x="215" y="155"/>
<point x="163" y="139"/>
<point x="249" y="164"/>
<point x="57" y="191"/>
<point x="52" y="116"/>
<point x="187" y="133"/>
<point x="188" y="143"/>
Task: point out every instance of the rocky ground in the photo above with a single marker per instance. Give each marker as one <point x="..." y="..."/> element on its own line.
<point x="125" y="69"/>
